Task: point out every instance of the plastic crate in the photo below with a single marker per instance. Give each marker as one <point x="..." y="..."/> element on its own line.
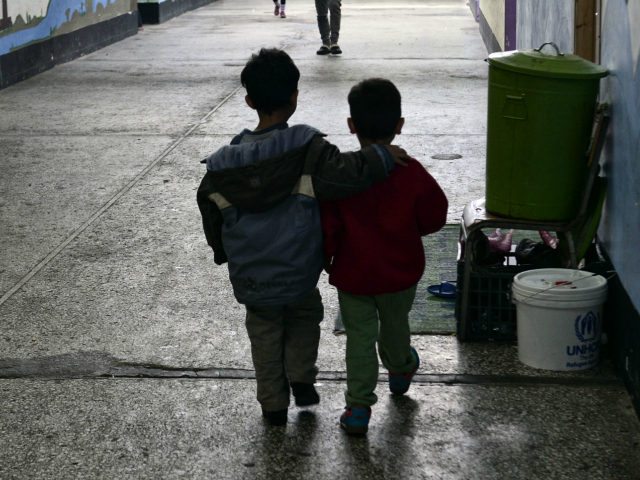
<point x="490" y="315"/>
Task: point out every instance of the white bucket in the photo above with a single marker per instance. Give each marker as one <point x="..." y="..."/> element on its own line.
<point x="559" y="314"/>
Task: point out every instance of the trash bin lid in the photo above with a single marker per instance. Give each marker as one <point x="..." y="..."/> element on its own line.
<point x="545" y="62"/>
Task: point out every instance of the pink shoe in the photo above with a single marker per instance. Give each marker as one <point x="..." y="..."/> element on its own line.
<point x="500" y="242"/>
<point x="549" y="239"/>
<point x="276" y="10"/>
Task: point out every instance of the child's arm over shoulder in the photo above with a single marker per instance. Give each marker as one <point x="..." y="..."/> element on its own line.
<point x="431" y="202"/>
<point x="211" y="220"/>
<point x="336" y="175"/>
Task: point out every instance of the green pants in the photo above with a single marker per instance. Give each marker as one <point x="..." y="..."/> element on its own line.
<point x="369" y="319"/>
<point x="284" y="347"/>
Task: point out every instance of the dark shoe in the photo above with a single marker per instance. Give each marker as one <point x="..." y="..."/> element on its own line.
<point x="277" y="418"/>
<point x="355" y="420"/>
<point x="282" y="14"/>
<point x="305" y="394"/>
<point x="399" y="383"/>
<point x="276" y="10"/>
<point x="324" y="50"/>
<point x="335" y="50"/>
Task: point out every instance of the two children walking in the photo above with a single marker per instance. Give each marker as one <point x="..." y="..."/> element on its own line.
<point x="261" y="202"/>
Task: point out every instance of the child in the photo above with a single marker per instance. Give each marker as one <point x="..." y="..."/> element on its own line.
<point x="279" y="8"/>
<point x="259" y="206"/>
<point x="375" y="256"/>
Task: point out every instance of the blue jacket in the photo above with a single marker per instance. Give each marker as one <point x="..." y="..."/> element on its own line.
<point x="259" y="206"/>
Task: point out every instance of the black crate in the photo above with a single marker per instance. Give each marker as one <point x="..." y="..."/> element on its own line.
<point x="491" y="315"/>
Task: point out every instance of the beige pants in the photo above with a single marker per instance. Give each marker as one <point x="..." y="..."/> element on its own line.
<point x="284" y="347"/>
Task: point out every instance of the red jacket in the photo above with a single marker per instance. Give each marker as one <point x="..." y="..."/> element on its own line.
<point x="373" y="240"/>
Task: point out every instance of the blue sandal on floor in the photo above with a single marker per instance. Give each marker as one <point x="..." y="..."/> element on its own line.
<point x="444" y="290"/>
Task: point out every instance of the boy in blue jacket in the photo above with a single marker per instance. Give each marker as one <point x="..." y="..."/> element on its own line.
<point x="259" y="205"/>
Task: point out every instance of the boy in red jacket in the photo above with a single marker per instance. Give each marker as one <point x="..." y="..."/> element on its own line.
<point x="375" y="256"/>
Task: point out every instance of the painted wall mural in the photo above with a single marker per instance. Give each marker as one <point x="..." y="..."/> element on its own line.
<point x="23" y="22"/>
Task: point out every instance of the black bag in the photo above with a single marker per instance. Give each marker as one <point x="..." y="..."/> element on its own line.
<point x="537" y="254"/>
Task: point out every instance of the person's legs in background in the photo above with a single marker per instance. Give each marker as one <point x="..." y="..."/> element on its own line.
<point x="279" y="8"/>
<point x="322" y="10"/>
<point x="335" y="9"/>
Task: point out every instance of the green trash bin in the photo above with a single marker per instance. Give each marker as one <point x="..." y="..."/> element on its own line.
<point x="540" y="115"/>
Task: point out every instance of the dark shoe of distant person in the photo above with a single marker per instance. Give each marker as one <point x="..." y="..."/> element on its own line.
<point x="276" y="10"/>
<point x="335" y="49"/>
<point x="282" y="14"/>
<point x="305" y="394"/>
<point x="324" y="50"/>
<point x="277" y="418"/>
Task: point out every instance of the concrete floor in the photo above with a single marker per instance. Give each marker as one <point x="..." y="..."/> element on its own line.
<point x="123" y="352"/>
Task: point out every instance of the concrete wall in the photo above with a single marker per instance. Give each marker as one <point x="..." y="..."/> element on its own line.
<point x="497" y="19"/>
<point x="493" y="12"/>
<point x="158" y="11"/>
<point x="619" y="231"/>
<point x="540" y="21"/>
<point x="620" y="53"/>
<point x="474" y="5"/>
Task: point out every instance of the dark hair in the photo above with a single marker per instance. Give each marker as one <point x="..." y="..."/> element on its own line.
<point x="375" y="108"/>
<point x="270" y="78"/>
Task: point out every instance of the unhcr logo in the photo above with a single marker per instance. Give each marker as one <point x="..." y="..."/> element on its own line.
<point x="587" y="327"/>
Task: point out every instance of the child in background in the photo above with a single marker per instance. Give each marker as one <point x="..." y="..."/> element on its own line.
<point x="279" y="8"/>
<point x="259" y="207"/>
<point x="375" y="256"/>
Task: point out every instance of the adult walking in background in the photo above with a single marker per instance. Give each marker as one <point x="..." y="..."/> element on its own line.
<point x="329" y="27"/>
<point x="279" y="8"/>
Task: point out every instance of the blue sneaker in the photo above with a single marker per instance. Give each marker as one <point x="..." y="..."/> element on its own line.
<point x="399" y="383"/>
<point x="355" y="420"/>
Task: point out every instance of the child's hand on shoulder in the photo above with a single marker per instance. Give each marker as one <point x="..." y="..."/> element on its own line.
<point x="400" y="156"/>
